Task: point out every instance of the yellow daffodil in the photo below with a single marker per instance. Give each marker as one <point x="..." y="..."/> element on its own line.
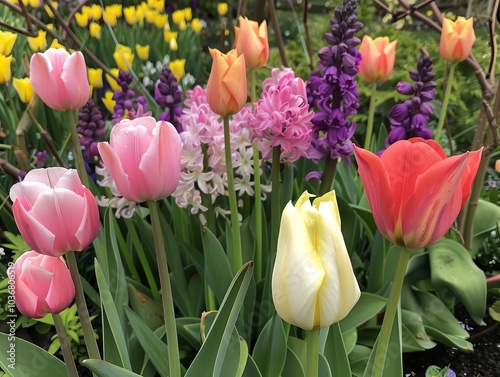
<point x="142" y="51"/>
<point x="48" y="10"/>
<point x="196" y="25"/>
<point x="5" y="72"/>
<point x="82" y="19"/>
<point x="177" y="68"/>
<point x="109" y="102"/>
<point x="158" y="5"/>
<point x="7" y="40"/>
<point x="95" y="30"/>
<point x="123" y="57"/>
<point x="130" y="15"/>
<point x="187" y="14"/>
<point x="169" y="35"/>
<point x="24" y="89"/>
<point x="178" y="17"/>
<point x="160" y="20"/>
<point x="112" y="82"/>
<point x="38" y="43"/>
<point x="222" y="9"/>
<point x="95" y="77"/>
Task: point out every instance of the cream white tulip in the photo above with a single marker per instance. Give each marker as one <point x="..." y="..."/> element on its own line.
<point x="313" y="283"/>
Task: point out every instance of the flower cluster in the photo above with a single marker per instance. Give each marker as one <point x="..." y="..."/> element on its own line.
<point x="91" y="127"/>
<point x="203" y="162"/>
<point x="169" y="96"/>
<point x="127" y="103"/>
<point x="409" y="119"/>
<point x="282" y="116"/>
<point x="335" y="92"/>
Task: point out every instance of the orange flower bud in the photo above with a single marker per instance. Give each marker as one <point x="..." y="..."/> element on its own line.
<point x="378" y="57"/>
<point x="457" y="38"/>
<point x="251" y="39"/>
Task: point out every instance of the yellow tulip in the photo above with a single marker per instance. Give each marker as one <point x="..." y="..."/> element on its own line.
<point x="140" y="10"/>
<point x="55" y="44"/>
<point x="7" y="40"/>
<point x="173" y="44"/>
<point x="149" y="15"/>
<point x="112" y="82"/>
<point x="82" y="19"/>
<point x="38" y="43"/>
<point x="457" y="38"/>
<point x="130" y="15"/>
<point x="178" y="17"/>
<point x="123" y="57"/>
<point x="24" y="89"/>
<point x="158" y="5"/>
<point x="87" y="11"/>
<point x="110" y="17"/>
<point x="95" y="30"/>
<point x="109" y="102"/>
<point x="34" y="3"/>
<point x="96" y="12"/>
<point x="313" y="283"/>
<point x="196" y="25"/>
<point x="188" y="14"/>
<point x="142" y="51"/>
<point x="160" y="20"/>
<point x="5" y="72"/>
<point x="177" y="68"/>
<point x="222" y="9"/>
<point x="49" y="11"/>
<point x="169" y="35"/>
<point x="95" y="77"/>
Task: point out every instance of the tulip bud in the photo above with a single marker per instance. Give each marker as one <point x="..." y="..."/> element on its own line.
<point x="313" y="283"/>
<point x="457" y="38"/>
<point x="251" y="40"/>
<point x="377" y="59"/>
<point x="24" y="89"/>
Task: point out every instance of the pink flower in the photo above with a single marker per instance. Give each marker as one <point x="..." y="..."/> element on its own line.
<point x="144" y="158"/>
<point x="60" y="79"/>
<point x="43" y="284"/>
<point x="282" y="117"/>
<point x="54" y="212"/>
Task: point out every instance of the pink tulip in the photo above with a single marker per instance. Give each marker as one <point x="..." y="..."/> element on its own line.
<point x="60" y="79"/>
<point x="43" y="284"/>
<point x="144" y="158"/>
<point x="54" y="212"/>
<point x="415" y="192"/>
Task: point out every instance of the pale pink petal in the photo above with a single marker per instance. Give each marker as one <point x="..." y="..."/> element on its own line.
<point x="114" y="166"/>
<point x="89" y="226"/>
<point x="74" y="77"/>
<point x="42" y="80"/>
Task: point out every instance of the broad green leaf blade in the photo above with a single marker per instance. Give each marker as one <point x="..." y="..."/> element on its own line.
<point x="29" y="359"/>
<point x="335" y="352"/>
<point x="270" y="349"/>
<point x="414" y="335"/>
<point x="484" y="224"/>
<point x="293" y="367"/>
<point x="324" y="369"/>
<point x="450" y="263"/>
<point x="369" y="305"/>
<point x="148" y="309"/>
<point x="105" y="369"/>
<point x="251" y="369"/>
<point x="448" y="339"/>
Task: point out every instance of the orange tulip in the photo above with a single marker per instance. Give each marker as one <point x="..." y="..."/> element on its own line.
<point x="415" y="192"/>
<point x="378" y="57"/>
<point x="227" y="84"/>
<point x="251" y="39"/>
<point x="457" y="38"/>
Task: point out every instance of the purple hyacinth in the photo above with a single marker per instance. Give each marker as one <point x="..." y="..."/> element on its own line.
<point x="169" y="97"/>
<point x="334" y="90"/>
<point x="127" y="103"/>
<point x="409" y="119"/>
<point x="91" y="127"/>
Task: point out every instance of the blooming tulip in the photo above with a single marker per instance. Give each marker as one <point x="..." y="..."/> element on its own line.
<point x="313" y="283"/>
<point x="24" y="89"/>
<point x="251" y="39"/>
<point x="111" y="80"/>
<point x="142" y="51"/>
<point x="227" y="84"/>
<point x="54" y="212"/>
<point x="144" y="158"/>
<point x="109" y="102"/>
<point x="5" y="71"/>
<point x="82" y="19"/>
<point x="377" y="61"/>
<point x="39" y="42"/>
<point x="457" y="38"/>
<point x="7" y="40"/>
<point x="43" y="284"/>
<point x="196" y="25"/>
<point x="60" y="79"/>
<point x="222" y="9"/>
<point x="414" y="191"/>
<point x="177" y="68"/>
<point x="123" y="57"/>
<point x="95" y="30"/>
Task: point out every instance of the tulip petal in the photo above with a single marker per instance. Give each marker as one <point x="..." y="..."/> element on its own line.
<point x="74" y="76"/>
<point x="62" y="290"/>
<point x="89" y="226"/>
<point x="114" y="166"/>
<point x="42" y="80"/>
<point x="27" y="300"/>
<point x="37" y="278"/>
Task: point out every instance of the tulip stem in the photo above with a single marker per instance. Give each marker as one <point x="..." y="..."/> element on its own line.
<point x="233" y="205"/>
<point x="275" y="197"/>
<point x="69" y="360"/>
<point x="382" y="344"/>
<point x="312" y="352"/>
<point x="75" y="141"/>
<point x="446" y="100"/>
<point x="81" y="306"/>
<point x="258" y="212"/>
<point x="371" y="116"/>
<point x="166" y="293"/>
<point x="328" y="176"/>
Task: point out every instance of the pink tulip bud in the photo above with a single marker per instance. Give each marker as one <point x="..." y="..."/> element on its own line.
<point x="43" y="284"/>
<point x="457" y="38"/>
<point x="143" y="157"/>
<point x="60" y="79"/>
<point x="54" y="212"/>
<point x="377" y="59"/>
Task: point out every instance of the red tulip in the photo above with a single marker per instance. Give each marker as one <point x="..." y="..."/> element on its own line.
<point x="54" y="212"/>
<point x="415" y="192"/>
<point x="43" y="284"/>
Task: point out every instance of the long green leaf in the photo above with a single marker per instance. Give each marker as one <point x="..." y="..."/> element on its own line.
<point x="368" y="306"/>
<point x="335" y="352"/>
<point x="270" y="349"/>
<point x="105" y="369"/>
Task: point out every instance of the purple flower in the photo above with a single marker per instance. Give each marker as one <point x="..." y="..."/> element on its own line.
<point x="127" y="103"/>
<point x="169" y="97"/>
<point x="91" y="127"/>
<point x="334" y="91"/>
<point x="41" y="158"/>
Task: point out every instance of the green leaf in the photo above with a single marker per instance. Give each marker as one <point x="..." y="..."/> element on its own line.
<point x="450" y="263"/>
<point x="293" y="366"/>
<point x="29" y="359"/>
<point x="488" y="221"/>
<point x="324" y="368"/>
<point x="495" y="311"/>
<point x="148" y="309"/>
<point x="414" y="336"/>
<point x="448" y="339"/>
<point x="270" y="349"/>
<point x="251" y="369"/>
<point x="105" y="369"/>
<point x="335" y="352"/>
<point x="367" y="307"/>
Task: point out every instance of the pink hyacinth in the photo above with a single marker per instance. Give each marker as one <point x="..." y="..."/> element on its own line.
<point x="282" y="116"/>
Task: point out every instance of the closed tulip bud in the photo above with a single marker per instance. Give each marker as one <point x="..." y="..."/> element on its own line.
<point x="95" y="77"/>
<point x="48" y="10"/>
<point x="152" y="172"/>
<point x="82" y="19"/>
<point x="43" y="284"/>
<point x="110" y="17"/>
<point x="227" y="84"/>
<point x="415" y="192"/>
<point x="457" y="38"/>
<point x="95" y="30"/>
<point x="313" y="283"/>
<point x="160" y="20"/>
<point x="109" y="102"/>
<point x="173" y="44"/>
<point x="130" y="15"/>
<point x="142" y="51"/>
<point x="196" y="25"/>
<point x="54" y="212"/>
<point x="24" y="89"/>
<point x="377" y="59"/>
<point x="5" y="71"/>
<point x="157" y="4"/>
<point x="251" y="40"/>
<point x="96" y="12"/>
<point x="177" y="68"/>
<point x="111" y="80"/>
<point x="7" y="40"/>
<point x="60" y="79"/>
<point x="38" y="43"/>
<point x="123" y="57"/>
<point x="222" y="9"/>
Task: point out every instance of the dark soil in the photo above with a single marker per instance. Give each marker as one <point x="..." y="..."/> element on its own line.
<point x="483" y="362"/>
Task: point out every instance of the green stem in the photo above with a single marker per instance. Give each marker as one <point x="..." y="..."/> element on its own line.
<point x="390" y="313"/>
<point x="166" y="293"/>
<point x="75" y="141"/>
<point x="446" y="100"/>
<point x="258" y="212"/>
<point x="69" y="360"/>
<point x="275" y="197"/>
<point x="371" y="116"/>
<point x="312" y="352"/>
<point x="328" y="176"/>
<point x="81" y="306"/>
<point x="143" y="259"/>
<point x="253" y="89"/>
<point x="233" y="205"/>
